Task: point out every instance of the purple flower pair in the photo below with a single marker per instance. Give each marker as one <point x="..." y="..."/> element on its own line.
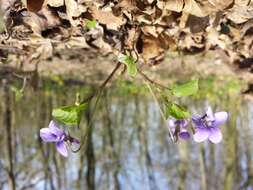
<point x="206" y="126"/>
<point x="54" y="134"/>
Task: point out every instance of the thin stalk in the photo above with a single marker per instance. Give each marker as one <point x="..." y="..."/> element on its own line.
<point x="160" y="109"/>
<point x="102" y="86"/>
<point x="97" y="93"/>
<point x="84" y="137"/>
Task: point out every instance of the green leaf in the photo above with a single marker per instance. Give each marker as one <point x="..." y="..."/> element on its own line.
<point x="18" y="93"/>
<point x="185" y="89"/>
<point x="69" y="115"/>
<point x="90" y="24"/>
<point x="177" y="111"/>
<point x="130" y="63"/>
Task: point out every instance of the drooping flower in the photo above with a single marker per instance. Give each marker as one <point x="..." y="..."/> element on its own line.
<point x="207" y="126"/>
<point x="179" y="128"/>
<point x="54" y="134"/>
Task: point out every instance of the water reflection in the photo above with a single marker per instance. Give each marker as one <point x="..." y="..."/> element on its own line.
<point x="128" y="146"/>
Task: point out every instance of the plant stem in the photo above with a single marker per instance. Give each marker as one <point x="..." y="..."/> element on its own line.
<point x="160" y="109"/>
<point x="102" y="86"/>
<point x="97" y="93"/>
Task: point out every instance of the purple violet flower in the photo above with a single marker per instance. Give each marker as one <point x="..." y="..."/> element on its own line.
<point x="207" y="126"/>
<point x="179" y="128"/>
<point x="54" y="134"/>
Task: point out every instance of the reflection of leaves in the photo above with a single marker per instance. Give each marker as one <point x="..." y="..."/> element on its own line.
<point x="233" y="86"/>
<point x="185" y="89"/>
<point x="58" y="80"/>
<point x="128" y="88"/>
<point x="91" y="24"/>
<point x="177" y="111"/>
<point x="218" y="88"/>
<point x="130" y="63"/>
<point x="18" y="93"/>
<point x="69" y="115"/>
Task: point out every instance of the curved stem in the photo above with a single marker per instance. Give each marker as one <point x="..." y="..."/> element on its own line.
<point x="97" y="93"/>
<point x="160" y="109"/>
<point x="102" y="86"/>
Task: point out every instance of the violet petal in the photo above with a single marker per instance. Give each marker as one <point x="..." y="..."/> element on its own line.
<point x="47" y="135"/>
<point x="196" y="119"/>
<point x="55" y="129"/>
<point x="181" y="123"/>
<point x="209" y="114"/>
<point x="171" y="125"/>
<point x="220" y="118"/>
<point x="184" y="134"/>
<point x="202" y="133"/>
<point x="215" y="135"/>
<point x="62" y="148"/>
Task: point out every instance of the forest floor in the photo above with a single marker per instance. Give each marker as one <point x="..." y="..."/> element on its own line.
<point x="77" y="39"/>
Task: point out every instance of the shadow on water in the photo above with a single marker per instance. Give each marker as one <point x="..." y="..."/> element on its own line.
<point x="128" y="146"/>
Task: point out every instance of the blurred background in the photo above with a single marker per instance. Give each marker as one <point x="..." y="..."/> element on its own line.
<point x="129" y="145"/>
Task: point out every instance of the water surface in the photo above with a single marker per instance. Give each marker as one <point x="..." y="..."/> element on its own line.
<point x="128" y="146"/>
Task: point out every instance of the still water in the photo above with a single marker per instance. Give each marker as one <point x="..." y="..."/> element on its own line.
<point x="128" y="147"/>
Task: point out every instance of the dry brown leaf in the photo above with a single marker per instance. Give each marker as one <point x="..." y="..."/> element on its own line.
<point x="215" y="38"/>
<point x="151" y="48"/>
<point x="191" y="43"/>
<point x="107" y="18"/>
<point x="201" y="25"/>
<point x="77" y="42"/>
<point x="154" y="31"/>
<point x="34" y="5"/>
<point x="38" y="23"/>
<point x="241" y="12"/>
<point x="172" y="5"/>
<point x="5" y="4"/>
<point x="197" y="24"/>
<point x="221" y="4"/>
<point x="73" y="10"/>
<point x="55" y="3"/>
<point x="43" y="49"/>
<point x="127" y="5"/>
<point x="198" y="8"/>
<point x="189" y="6"/>
<point x="131" y="38"/>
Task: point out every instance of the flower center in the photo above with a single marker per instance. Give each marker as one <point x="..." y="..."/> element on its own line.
<point x="61" y="138"/>
<point x="207" y="121"/>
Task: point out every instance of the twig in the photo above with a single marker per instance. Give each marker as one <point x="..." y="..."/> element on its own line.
<point x="98" y="93"/>
<point x="102" y="86"/>
<point x="161" y="112"/>
<point x="84" y="137"/>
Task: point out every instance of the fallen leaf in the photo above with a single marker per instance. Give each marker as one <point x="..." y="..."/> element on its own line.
<point x="107" y="18"/>
<point x="34" y="5"/>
